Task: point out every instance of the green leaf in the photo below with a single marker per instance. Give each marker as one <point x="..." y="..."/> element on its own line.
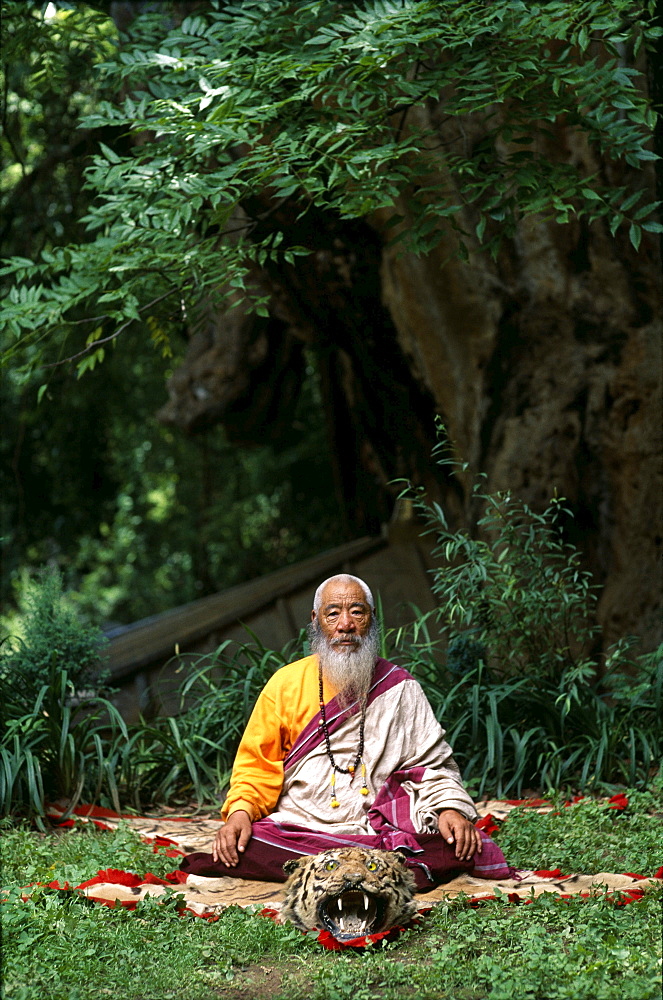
<point x="615" y="223"/>
<point x="635" y="235"/>
<point x="629" y="202"/>
<point x="109" y="154"/>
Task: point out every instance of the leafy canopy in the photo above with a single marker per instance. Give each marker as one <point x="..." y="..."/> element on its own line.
<point x="247" y="116"/>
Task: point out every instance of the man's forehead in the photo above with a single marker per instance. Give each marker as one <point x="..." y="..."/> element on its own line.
<point x="340" y="592"/>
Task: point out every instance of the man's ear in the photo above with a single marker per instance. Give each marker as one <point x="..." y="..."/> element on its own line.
<point x="313" y="616"/>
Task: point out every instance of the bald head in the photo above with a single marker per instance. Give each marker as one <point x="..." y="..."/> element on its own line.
<point x="343" y="578"/>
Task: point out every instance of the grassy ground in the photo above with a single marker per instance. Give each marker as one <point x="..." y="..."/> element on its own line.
<point x="57" y="947"/>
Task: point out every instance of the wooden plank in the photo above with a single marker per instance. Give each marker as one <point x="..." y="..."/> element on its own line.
<point x="154" y="638"/>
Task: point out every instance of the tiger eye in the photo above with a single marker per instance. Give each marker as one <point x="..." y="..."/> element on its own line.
<point x="331" y="865"/>
<point x="371" y="865"/>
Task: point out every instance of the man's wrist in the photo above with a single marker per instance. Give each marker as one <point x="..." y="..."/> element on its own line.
<point x="241" y="806"/>
<point x="458" y="812"/>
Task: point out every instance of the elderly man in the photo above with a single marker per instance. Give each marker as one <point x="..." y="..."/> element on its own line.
<point x="343" y="748"/>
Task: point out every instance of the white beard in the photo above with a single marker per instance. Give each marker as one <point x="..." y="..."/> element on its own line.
<point x="348" y="671"/>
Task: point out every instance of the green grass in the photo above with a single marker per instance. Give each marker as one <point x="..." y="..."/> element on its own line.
<point x="630" y="841"/>
<point x="57" y="946"/>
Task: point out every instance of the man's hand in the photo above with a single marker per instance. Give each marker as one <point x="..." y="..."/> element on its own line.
<point x="455" y="828"/>
<point x="232" y="837"/>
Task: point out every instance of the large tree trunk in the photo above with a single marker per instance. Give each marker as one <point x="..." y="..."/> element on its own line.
<point x="546" y="368"/>
<point x="547" y="372"/>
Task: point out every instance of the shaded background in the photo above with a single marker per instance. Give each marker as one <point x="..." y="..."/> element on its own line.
<point x="275" y="438"/>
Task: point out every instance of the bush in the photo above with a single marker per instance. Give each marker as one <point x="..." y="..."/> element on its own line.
<point x="516" y="678"/>
<point x="526" y="695"/>
<point x="53" y="637"/>
<point x="57" y="725"/>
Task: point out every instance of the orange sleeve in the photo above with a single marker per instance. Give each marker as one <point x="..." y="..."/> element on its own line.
<point x="285" y="705"/>
<point x="257" y="775"/>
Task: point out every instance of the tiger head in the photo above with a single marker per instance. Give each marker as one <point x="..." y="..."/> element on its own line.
<point x="349" y="891"/>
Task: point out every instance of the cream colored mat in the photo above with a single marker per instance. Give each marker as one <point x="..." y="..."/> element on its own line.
<point x="208" y="896"/>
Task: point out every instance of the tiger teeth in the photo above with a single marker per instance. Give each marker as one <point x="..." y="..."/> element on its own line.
<point x="365" y="901"/>
<point x="342" y="923"/>
<point x="340" y="904"/>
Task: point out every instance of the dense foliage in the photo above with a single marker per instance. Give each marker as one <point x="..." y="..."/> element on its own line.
<point x="563" y="949"/>
<point x="53" y="635"/>
<point x="151" y="173"/>
<point x="242" y="109"/>
<point x="137" y="516"/>
<point x="527" y="695"/>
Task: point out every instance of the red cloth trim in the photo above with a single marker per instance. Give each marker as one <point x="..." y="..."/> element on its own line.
<point x="91" y="811"/>
<point x="177" y="877"/>
<point x="211" y="917"/>
<point x="115" y="876"/>
<point x="86" y="812"/>
<point x="128" y="904"/>
<point x="98" y="811"/>
<point x="151" y="879"/>
<point x="549" y="873"/>
<point x="488" y="824"/>
<point x="172" y="852"/>
<point x="329" y="942"/>
<point x="619" y="801"/>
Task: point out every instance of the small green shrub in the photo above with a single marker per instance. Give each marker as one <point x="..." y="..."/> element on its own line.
<point x="56" y="724"/>
<point x="517" y="678"/>
<point x="53" y="637"/>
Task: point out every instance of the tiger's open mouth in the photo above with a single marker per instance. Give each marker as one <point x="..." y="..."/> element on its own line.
<point x="351" y="914"/>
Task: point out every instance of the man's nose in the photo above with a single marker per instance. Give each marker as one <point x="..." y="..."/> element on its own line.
<point x="346" y="622"/>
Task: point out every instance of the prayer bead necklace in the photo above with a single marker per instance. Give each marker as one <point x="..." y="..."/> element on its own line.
<point x="359" y="759"/>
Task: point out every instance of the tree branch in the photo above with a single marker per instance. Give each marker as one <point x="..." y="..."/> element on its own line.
<point x="105" y="340"/>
